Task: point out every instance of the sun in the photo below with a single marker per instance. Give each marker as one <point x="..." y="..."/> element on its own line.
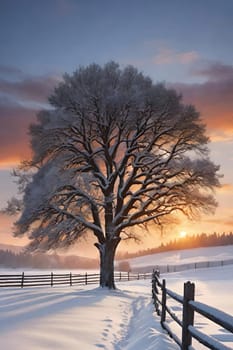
<point x="183" y="234"/>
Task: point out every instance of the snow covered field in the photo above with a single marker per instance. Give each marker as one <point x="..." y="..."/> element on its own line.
<point x="187" y="256"/>
<point x="214" y="287"/>
<point x="91" y="318"/>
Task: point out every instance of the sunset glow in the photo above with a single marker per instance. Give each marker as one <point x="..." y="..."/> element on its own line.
<point x="182" y="234"/>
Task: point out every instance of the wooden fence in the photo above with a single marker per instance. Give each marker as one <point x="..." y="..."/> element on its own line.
<point x="185" y="266"/>
<point x="160" y="294"/>
<point x="52" y="279"/>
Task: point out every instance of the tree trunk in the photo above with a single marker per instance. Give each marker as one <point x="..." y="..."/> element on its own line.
<point x="107" y="255"/>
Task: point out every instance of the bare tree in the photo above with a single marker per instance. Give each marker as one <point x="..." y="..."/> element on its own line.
<point x="113" y="152"/>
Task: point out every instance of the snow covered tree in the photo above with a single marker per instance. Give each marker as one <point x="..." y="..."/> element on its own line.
<point x="113" y="152"/>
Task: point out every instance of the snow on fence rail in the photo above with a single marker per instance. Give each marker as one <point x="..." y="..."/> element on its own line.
<point x="52" y="279"/>
<point x="190" y="306"/>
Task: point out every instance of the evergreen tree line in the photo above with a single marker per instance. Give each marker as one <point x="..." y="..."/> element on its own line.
<point x="45" y="261"/>
<point x="188" y="242"/>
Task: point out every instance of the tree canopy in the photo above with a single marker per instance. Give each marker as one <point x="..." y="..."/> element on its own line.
<point x="114" y="151"/>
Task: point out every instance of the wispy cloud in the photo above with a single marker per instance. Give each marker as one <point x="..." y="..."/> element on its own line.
<point x="10" y="71"/>
<point x="21" y="96"/>
<point x="34" y="89"/>
<point x="14" y="123"/>
<point x="213" y="98"/>
<point x="229" y="222"/>
<point x="221" y="221"/>
<point x="226" y="188"/>
<point x="222" y="135"/>
<point x="166" y="55"/>
<point x="216" y="71"/>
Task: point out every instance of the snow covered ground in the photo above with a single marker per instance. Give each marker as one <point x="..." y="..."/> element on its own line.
<point x="187" y="256"/>
<point x="214" y="287"/>
<point x="89" y="318"/>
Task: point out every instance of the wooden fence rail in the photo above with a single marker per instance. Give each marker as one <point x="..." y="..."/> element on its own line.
<point x="53" y="279"/>
<point x="185" y="266"/>
<point x="160" y="294"/>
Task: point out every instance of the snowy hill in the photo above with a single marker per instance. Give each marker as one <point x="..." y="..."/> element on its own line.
<point x="90" y="318"/>
<point x="178" y="257"/>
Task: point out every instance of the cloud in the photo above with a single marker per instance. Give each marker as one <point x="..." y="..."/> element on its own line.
<point x="221" y="135"/>
<point x="10" y="71"/>
<point x="169" y="56"/>
<point x="14" y="140"/>
<point x="34" y="89"/>
<point x="214" y="71"/>
<point x="213" y="98"/>
<point x="229" y="222"/>
<point x="221" y="222"/>
<point x="226" y="188"/>
<point x="21" y="96"/>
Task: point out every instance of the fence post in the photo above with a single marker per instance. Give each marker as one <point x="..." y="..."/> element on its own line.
<point x="164" y="297"/>
<point x="188" y="314"/>
<point x="22" y="280"/>
<point x="51" y="279"/>
<point x="85" y="278"/>
<point x="155" y="291"/>
<point x="128" y="275"/>
<point x="70" y="278"/>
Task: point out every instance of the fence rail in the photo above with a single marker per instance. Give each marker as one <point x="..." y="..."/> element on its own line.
<point x="23" y="280"/>
<point x="185" y="266"/>
<point x="189" y="307"/>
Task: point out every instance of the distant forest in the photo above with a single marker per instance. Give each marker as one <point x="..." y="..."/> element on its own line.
<point x="47" y="261"/>
<point x="188" y="242"/>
